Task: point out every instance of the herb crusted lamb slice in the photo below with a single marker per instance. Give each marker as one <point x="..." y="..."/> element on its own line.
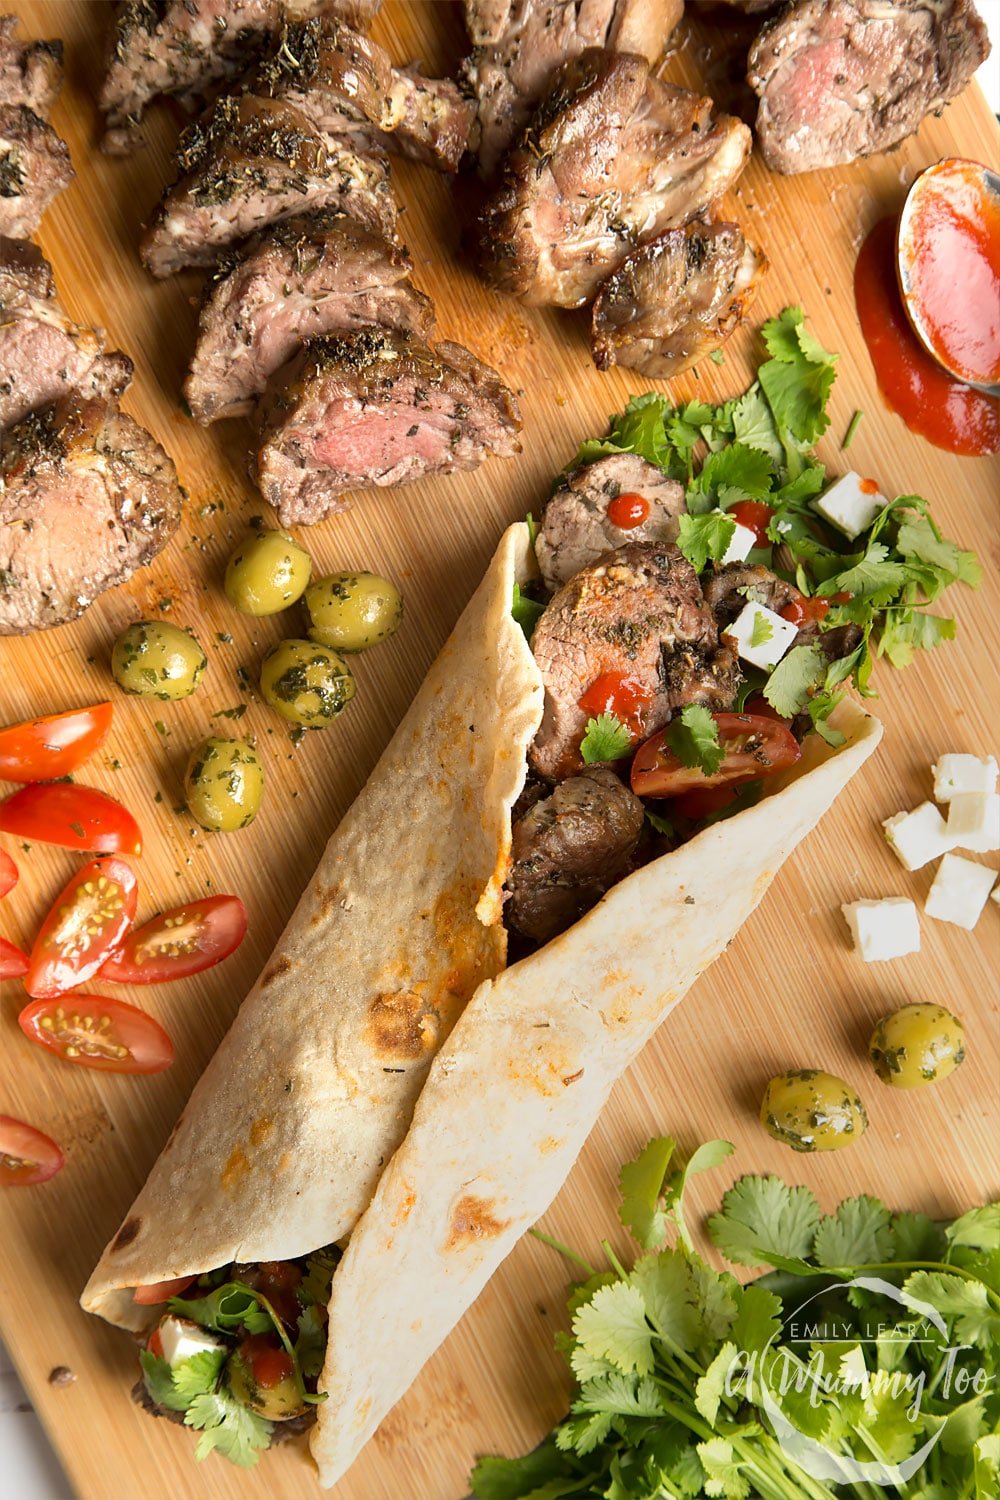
<point x="31" y="73"/>
<point x="34" y="168"/>
<point x="253" y="162"/>
<point x="318" y="274"/>
<point x="376" y="408"/>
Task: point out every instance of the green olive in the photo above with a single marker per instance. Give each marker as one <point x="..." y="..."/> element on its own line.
<point x="350" y="611"/>
<point x="812" y="1111"/>
<point x="157" y="660"/>
<point x="267" y="573"/>
<point x="224" y="784"/>
<point x="251" y="1372"/>
<point x="306" y="683"/>
<point x="917" y="1044"/>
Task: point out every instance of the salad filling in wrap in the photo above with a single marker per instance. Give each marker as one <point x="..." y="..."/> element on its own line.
<point x="576" y="771"/>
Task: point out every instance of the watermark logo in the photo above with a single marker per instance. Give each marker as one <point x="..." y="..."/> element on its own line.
<point x="837" y="1368"/>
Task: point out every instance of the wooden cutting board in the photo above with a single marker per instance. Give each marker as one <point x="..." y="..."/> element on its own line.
<point x="788" y="993"/>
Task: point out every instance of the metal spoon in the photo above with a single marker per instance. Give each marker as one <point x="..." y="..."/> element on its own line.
<point x="905" y="256"/>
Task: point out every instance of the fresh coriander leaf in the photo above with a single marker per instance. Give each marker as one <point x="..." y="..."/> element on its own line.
<point x="612" y="1326"/>
<point x="873" y="575"/>
<point x="310" y="1345"/>
<point x="229" y="1427"/>
<point x="582" y="1433"/>
<point x="607" y="738"/>
<point x="964" y="1302"/>
<point x="159" y="1381"/>
<point x="819" y="709"/>
<point x="762" y="1214"/>
<point x="223" y="1310"/>
<point x="640" y="429"/>
<point x="738" y="468"/>
<point x="979" y="1228"/>
<point x="198" y="1374"/>
<point x="526" y="611"/>
<point x="669" y="1294"/>
<point x="694" y="739"/>
<point x="315" y="1284"/>
<point x="780" y="335"/>
<point x="857" y="1234"/>
<point x="258" y="1320"/>
<point x="797" y="395"/>
<point x="658" y="823"/>
<point x="986" y="1465"/>
<point x="640" y="1184"/>
<point x="723" y="1470"/>
<point x="795" y="492"/>
<point x="904" y="631"/>
<point x="796" y="677"/>
<point x="916" y="1237"/>
<point x="521" y="1478"/>
<point x="709" y="1390"/>
<point x="621" y="1395"/>
<point x="762" y="630"/>
<point x="753" y="424"/>
<point x="919" y="539"/>
<point x="758" y="1319"/>
<point x="705" y="538"/>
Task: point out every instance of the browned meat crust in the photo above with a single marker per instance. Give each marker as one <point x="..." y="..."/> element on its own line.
<point x="86" y="497"/>
<point x="34" y="168"/>
<point x="611" y="159"/>
<point x="674" y="300"/>
<point x="377" y="408"/>
<point x="322" y="273"/>
<point x="839" y="79"/>
<point x="31" y="73"/>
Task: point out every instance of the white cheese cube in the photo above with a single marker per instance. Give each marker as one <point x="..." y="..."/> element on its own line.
<point x="741" y="546"/>
<point x="851" y="504"/>
<point x="959" y="892"/>
<point x="918" y="836"/>
<point x="974" y="822"/>
<point x="760" y="636"/>
<point x="181" y="1339"/>
<point x="995" y="893"/>
<point x="957" y="774"/>
<point x="883" y="929"/>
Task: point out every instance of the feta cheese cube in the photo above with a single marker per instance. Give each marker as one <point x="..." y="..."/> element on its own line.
<point x="957" y="774"/>
<point x="740" y="547"/>
<point x="918" y="836"/>
<point x="974" y="822"/>
<point x="959" y="892"/>
<point x="883" y="929"/>
<point x="760" y="636"/>
<point x="850" y="504"/>
<point x="181" y="1339"/>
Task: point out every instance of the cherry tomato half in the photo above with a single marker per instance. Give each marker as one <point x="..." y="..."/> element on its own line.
<point x="628" y="511"/>
<point x="159" y="1291"/>
<point x="755" y="516"/>
<point x="95" y="1032"/>
<point x="8" y="873"/>
<point x="180" y="942"/>
<point x="754" y="747"/>
<point x="620" y="694"/>
<point x="42" y="749"/>
<point x="26" y="1155"/>
<point x="13" y="963"/>
<point x="75" y="817"/>
<point x="87" y="922"/>
<point x="701" y="802"/>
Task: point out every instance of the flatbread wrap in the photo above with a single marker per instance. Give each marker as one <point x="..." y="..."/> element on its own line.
<point x="520" y="752"/>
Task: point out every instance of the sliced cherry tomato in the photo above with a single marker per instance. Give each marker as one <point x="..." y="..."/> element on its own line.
<point x="180" y="942"/>
<point x="13" y="963"/>
<point x="159" y="1291"/>
<point x="42" y="749"/>
<point x="8" y="873"/>
<point x="754" y="747"/>
<point x="26" y="1155"/>
<point x="87" y="922"/>
<point x="755" y="516"/>
<point x="628" y="511"/>
<point x="698" y="804"/>
<point x="75" y="817"/>
<point x="95" y="1032"/>
<point x="619" y="694"/>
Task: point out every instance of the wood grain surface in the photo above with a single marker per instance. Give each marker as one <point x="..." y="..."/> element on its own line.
<point x="788" y="993"/>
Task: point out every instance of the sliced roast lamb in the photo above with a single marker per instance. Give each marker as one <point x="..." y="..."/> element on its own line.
<point x="347" y="86"/>
<point x="675" y="299"/>
<point x="322" y="273"/>
<point x="31" y="73"/>
<point x="86" y="497"/>
<point x="568" y="849"/>
<point x="43" y="353"/>
<point x="612" y="158"/>
<point x="839" y="79"/>
<point x="184" y="46"/>
<point x="376" y="408"/>
<point x="577" y="528"/>
<point x="638" y="612"/>
<point x="521" y="44"/>
<point x="34" y="168"/>
<point x="253" y="162"/>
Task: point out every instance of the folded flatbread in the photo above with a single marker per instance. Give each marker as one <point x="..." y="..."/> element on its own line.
<point x="258" y="1171"/>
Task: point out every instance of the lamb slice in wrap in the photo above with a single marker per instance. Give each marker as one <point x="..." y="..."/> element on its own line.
<point x="280" y="1146"/>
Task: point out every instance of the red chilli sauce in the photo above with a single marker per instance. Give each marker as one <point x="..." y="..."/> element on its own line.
<point x="948" y="413"/>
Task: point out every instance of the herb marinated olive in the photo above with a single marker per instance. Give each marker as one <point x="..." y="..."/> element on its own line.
<point x="261" y="1375"/>
<point x="917" y="1044"/>
<point x="305" y="682"/>
<point x="351" y="611"/>
<point x="812" y="1111"/>
<point x="267" y="573"/>
<point x="157" y="660"/>
<point x="224" y="784"/>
